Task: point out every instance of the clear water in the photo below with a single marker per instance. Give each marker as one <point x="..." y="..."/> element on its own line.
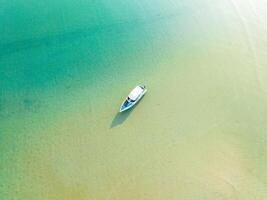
<point x="199" y="133"/>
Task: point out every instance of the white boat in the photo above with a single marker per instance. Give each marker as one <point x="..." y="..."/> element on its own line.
<point x="135" y="95"/>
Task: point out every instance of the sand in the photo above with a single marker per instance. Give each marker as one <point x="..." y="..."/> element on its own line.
<point x="199" y="132"/>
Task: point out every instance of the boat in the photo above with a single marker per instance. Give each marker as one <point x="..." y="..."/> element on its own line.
<point x="135" y="95"/>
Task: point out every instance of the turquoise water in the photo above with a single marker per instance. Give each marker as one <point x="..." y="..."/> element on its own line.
<point x="199" y="133"/>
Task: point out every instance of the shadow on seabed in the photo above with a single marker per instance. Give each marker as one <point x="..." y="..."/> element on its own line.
<point x="120" y="118"/>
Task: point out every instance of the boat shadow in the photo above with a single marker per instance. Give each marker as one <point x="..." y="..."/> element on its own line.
<point x="120" y="118"/>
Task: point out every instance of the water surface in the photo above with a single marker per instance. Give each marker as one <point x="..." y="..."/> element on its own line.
<point x="199" y="133"/>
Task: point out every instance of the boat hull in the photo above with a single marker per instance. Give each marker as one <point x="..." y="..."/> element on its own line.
<point x="127" y="105"/>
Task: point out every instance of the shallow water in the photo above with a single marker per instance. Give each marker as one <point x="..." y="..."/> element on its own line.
<point x="199" y="133"/>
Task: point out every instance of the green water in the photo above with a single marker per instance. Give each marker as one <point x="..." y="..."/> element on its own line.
<point x="199" y="133"/>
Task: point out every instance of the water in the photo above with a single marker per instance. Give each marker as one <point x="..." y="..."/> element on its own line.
<point x="199" y="133"/>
